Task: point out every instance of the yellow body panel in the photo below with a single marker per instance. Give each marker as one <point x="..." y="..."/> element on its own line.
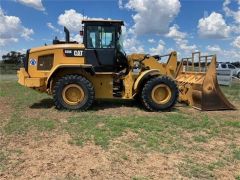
<point x="22" y="75"/>
<point x="151" y="72"/>
<point x="59" y="59"/>
<point x="53" y="70"/>
<point x="34" y="82"/>
<point x="103" y="85"/>
<point x="23" y="79"/>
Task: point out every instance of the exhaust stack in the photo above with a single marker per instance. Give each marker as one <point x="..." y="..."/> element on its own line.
<point x="67" y="35"/>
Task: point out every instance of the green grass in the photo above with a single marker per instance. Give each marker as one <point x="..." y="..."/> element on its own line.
<point x="200" y="138"/>
<point x="3" y="160"/>
<point x="139" y="178"/>
<point x="235" y="124"/>
<point x="18" y="125"/>
<point x="236" y="154"/>
<point x="192" y="169"/>
<point x="216" y="165"/>
<point x="163" y="133"/>
<point x="232" y="92"/>
<point x="21" y="98"/>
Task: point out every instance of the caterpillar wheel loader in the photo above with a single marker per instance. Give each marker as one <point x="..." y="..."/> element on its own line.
<point x="77" y="74"/>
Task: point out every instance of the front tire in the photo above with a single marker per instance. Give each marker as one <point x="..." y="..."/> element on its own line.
<point x="159" y="94"/>
<point x="73" y="92"/>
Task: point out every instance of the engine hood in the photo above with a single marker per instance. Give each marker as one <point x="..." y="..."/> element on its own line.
<point x="57" y="46"/>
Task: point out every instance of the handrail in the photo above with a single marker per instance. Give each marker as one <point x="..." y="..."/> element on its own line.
<point x="201" y="59"/>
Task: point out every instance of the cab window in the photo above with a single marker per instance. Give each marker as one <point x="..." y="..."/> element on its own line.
<point x="231" y="66"/>
<point x="100" y="37"/>
<point x="224" y="66"/>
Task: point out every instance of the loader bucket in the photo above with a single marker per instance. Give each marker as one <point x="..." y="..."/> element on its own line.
<point x="198" y="84"/>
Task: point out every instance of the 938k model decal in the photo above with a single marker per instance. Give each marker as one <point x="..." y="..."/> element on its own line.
<point x="73" y="52"/>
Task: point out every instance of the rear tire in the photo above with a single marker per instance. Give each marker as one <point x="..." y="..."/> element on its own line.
<point x="73" y="92"/>
<point x="159" y="94"/>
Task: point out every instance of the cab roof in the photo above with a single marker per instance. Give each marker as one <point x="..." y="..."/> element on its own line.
<point x="102" y="21"/>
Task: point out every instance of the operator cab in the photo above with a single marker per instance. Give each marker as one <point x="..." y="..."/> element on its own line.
<point x="103" y="47"/>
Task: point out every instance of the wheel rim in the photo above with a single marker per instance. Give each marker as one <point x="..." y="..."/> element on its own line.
<point x="161" y="94"/>
<point x="73" y="94"/>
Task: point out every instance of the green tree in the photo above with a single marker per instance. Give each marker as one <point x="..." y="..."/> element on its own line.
<point x="13" y="57"/>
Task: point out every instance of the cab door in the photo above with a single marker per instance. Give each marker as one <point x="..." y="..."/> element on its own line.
<point x="100" y="48"/>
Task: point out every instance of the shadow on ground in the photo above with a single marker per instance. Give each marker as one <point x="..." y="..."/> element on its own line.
<point x="97" y="105"/>
<point x="43" y="104"/>
<point x="100" y="105"/>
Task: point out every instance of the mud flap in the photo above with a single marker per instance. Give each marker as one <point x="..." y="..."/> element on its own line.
<point x="201" y="89"/>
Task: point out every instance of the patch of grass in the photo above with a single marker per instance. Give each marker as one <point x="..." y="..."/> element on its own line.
<point x="124" y="157"/>
<point x="164" y="132"/>
<point x="236" y="154"/>
<point x="139" y="178"/>
<point x="235" y="124"/>
<point x="200" y="138"/>
<point x="18" y="125"/>
<point x="238" y="177"/>
<point x="44" y="125"/>
<point x="3" y="159"/>
<point x="232" y="92"/>
<point x="215" y="165"/>
<point x="192" y="169"/>
<point x="153" y="132"/>
<point x="21" y="96"/>
<point x="188" y="122"/>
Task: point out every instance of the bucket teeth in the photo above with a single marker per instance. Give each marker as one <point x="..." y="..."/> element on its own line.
<point x="201" y="89"/>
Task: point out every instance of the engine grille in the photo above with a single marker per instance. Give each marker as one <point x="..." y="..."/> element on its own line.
<point x="45" y="62"/>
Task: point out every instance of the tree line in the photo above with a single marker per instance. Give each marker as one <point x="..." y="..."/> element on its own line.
<point x="13" y="57"/>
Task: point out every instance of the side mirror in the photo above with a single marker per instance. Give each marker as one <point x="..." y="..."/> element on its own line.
<point x="81" y="33"/>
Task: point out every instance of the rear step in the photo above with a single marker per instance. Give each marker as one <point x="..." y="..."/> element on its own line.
<point x="198" y="84"/>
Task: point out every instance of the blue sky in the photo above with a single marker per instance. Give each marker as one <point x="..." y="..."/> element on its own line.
<point x="152" y="26"/>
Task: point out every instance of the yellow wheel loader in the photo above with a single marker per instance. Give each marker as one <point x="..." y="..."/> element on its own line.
<point x="77" y="74"/>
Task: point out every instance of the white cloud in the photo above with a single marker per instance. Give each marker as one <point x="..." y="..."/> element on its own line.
<point x="236" y="42"/>
<point x="213" y="26"/>
<point x="153" y="16"/>
<point x="175" y="33"/>
<point x="77" y="38"/>
<point x="151" y="41"/>
<point x="11" y="29"/>
<point x="183" y="44"/>
<point x="180" y="39"/>
<point x="231" y="13"/>
<point x="71" y="19"/>
<point x="214" y="48"/>
<point x="228" y="55"/>
<point x="36" y="4"/>
<point x="120" y="4"/>
<point x="159" y="49"/>
<point x="50" y="26"/>
<point x="131" y="43"/>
